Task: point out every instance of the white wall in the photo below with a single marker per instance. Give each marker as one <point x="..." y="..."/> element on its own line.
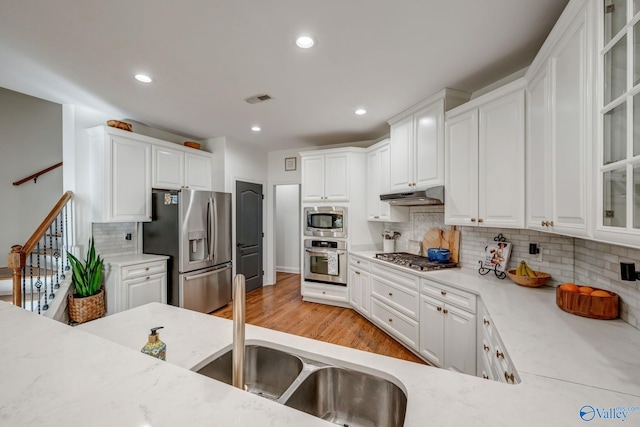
<point x="287" y="221"/>
<point x="30" y="140"/>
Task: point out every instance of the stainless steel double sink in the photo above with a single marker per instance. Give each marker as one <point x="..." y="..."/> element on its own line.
<point x="343" y="396"/>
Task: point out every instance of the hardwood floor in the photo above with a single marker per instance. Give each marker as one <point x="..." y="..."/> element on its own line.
<point x="280" y="307"/>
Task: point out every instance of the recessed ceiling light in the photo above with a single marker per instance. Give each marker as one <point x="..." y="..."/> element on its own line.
<point x="305" y="42"/>
<point x="361" y="111"/>
<point x="143" y="78"/>
<point x="256" y="128"/>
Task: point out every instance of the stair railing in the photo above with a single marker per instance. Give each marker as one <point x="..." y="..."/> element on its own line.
<point x="40" y="264"/>
<point x="35" y="176"/>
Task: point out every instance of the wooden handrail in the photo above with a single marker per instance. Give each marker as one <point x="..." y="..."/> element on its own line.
<point x="35" y="176"/>
<point x="17" y="258"/>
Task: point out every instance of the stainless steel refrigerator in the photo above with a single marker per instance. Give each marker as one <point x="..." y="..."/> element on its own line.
<point x="194" y="229"/>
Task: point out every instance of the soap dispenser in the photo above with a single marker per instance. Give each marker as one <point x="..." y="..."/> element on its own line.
<point x="154" y="346"/>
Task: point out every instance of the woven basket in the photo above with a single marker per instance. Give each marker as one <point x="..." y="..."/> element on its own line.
<point x="88" y="308"/>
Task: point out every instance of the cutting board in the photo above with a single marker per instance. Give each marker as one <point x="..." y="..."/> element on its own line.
<point x="432" y="239"/>
<point x="451" y="241"/>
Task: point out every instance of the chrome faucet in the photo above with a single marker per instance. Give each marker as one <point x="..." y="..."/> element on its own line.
<point x="238" y="331"/>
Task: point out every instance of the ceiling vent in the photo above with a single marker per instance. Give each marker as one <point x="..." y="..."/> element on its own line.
<point x="258" y="98"/>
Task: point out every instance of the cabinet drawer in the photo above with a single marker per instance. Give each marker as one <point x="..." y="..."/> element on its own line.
<point x="359" y="263"/>
<point x="395" y="276"/>
<point x="144" y="269"/>
<point x="462" y="299"/>
<point x="329" y="292"/>
<point x="402" y="299"/>
<point x="397" y="324"/>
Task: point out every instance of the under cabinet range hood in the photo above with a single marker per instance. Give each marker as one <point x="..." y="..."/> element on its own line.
<point x="429" y="196"/>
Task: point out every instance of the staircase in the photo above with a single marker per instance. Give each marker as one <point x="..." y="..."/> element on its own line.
<point x="37" y="269"/>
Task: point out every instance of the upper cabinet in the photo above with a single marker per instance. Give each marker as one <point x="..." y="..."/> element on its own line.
<point x="121" y="182"/>
<point x="559" y="132"/>
<point x="125" y="167"/>
<point x="178" y="168"/>
<point x="618" y="123"/>
<point x="325" y="177"/>
<point x="417" y="142"/>
<point x="378" y="182"/>
<point x="484" y="182"/>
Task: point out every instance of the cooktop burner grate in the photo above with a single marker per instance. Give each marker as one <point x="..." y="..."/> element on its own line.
<point x="415" y="262"/>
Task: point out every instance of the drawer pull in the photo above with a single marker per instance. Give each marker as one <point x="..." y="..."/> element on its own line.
<point x="485" y="376"/>
<point x="486" y="322"/>
<point x="358" y="273"/>
<point x="439" y="309"/>
<point x="323" y="292"/>
<point x="390" y="294"/>
<point x="445" y="311"/>
<point x="443" y="293"/>
<point x="473" y="220"/>
<point x="146" y="269"/>
<point x="509" y="377"/>
<point x="486" y="347"/>
<point x="499" y="354"/>
<point x="390" y="320"/>
<point x="147" y="277"/>
<point x="357" y="262"/>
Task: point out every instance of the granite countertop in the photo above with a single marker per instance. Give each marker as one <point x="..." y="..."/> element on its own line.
<point x="49" y="367"/>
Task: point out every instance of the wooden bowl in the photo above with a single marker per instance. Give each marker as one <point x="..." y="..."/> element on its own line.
<point x="192" y="144"/>
<point x="530" y="282"/>
<point x="606" y="308"/>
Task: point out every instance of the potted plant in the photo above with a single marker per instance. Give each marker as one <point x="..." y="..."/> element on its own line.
<point x="87" y="301"/>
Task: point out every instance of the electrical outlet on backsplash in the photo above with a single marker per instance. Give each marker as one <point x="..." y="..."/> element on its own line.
<point x="567" y="259"/>
<point x="110" y="238"/>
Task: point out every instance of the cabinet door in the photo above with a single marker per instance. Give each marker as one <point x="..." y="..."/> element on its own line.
<point x="432" y="330"/>
<point x="145" y="290"/>
<point x="336" y="177"/>
<point x="501" y="162"/>
<point x="365" y="293"/>
<point x="312" y="178"/>
<point x="197" y="172"/>
<point x="354" y="288"/>
<point x="130" y="180"/>
<point x="461" y="174"/>
<point x="460" y="340"/>
<point x="373" y="186"/>
<point x="569" y="137"/>
<point x="428" y="162"/>
<point x="538" y="152"/>
<point x="401" y="172"/>
<point x="168" y="168"/>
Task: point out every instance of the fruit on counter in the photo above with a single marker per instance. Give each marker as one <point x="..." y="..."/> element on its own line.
<point x="524" y="270"/>
<point x="570" y="287"/>
<point x="585" y="290"/>
<point x="600" y="293"/>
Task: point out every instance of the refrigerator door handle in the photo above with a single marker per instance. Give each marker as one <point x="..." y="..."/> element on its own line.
<point x="214" y="244"/>
<point x="208" y="273"/>
<point x="212" y="227"/>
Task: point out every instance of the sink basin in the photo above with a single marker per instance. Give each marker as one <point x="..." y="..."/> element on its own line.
<point x="268" y="372"/>
<point x="350" y="398"/>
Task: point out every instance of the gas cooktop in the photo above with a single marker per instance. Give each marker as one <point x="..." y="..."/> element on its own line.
<point x="415" y="262"/>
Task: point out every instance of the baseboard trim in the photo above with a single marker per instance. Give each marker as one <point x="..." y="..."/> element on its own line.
<point x="295" y="270"/>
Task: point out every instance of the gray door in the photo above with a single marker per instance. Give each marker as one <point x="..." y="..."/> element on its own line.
<point x="249" y="233"/>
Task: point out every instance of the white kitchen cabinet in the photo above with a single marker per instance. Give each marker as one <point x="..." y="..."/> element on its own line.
<point x="485" y="160"/>
<point x="359" y="285"/>
<point x="121" y="171"/>
<point x="378" y="182"/>
<point x="417" y="142"/>
<point x="174" y="169"/>
<point x="448" y="332"/>
<point x="325" y="177"/>
<point x="135" y="280"/>
<point x="493" y="361"/>
<point x="559" y="136"/>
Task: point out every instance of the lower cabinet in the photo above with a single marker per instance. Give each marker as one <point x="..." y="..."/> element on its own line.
<point x="131" y="284"/>
<point x="447" y="335"/>
<point x="359" y="285"/>
<point x="397" y="324"/>
<point x="493" y="360"/>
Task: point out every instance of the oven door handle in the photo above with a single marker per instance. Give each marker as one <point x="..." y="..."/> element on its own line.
<point x="324" y="252"/>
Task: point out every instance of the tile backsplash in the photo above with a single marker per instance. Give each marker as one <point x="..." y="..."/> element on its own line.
<point x="109" y="238"/>
<point x="567" y="259"/>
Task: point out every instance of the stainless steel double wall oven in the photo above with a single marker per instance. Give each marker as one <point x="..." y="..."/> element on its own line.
<point x="325" y="258"/>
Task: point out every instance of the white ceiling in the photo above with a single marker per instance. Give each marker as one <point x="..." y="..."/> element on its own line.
<point x="208" y="55"/>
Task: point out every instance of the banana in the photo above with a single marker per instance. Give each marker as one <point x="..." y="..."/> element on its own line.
<point x="520" y="271"/>
<point x="530" y="272"/>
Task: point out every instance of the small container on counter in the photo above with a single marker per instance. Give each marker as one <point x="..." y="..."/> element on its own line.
<point x="154" y="346"/>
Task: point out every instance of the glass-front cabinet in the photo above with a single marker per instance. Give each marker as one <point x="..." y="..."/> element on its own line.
<point x="619" y="120"/>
